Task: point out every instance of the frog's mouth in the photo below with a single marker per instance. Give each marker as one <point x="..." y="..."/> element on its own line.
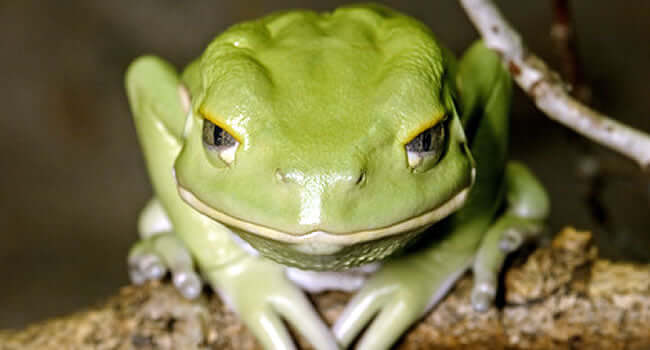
<point x="321" y="250"/>
<point x="322" y="242"/>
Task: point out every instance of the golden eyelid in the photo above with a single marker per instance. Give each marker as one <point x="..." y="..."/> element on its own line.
<point x="220" y="124"/>
<point x="428" y="124"/>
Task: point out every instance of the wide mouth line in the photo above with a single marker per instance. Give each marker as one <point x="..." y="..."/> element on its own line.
<point x="319" y="236"/>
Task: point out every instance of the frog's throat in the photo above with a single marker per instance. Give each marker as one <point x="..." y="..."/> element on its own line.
<point x="341" y="239"/>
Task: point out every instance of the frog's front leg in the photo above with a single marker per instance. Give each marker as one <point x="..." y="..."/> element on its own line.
<point x="408" y="286"/>
<point x="258" y="290"/>
<point x="527" y="205"/>
<point x="254" y="287"/>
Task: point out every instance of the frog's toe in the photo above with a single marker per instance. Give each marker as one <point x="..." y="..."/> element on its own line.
<point x="389" y="314"/>
<point x="483" y="295"/>
<point x="295" y="309"/>
<point x="356" y="315"/>
<point x="388" y="326"/>
<point x="188" y="283"/>
<point x="270" y="331"/>
<point x="511" y="240"/>
<point x="144" y="264"/>
<point x="179" y="261"/>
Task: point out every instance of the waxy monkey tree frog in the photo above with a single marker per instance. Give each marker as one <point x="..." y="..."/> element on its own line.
<point x="341" y="150"/>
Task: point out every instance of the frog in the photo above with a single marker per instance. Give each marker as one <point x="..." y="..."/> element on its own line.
<point x="349" y="149"/>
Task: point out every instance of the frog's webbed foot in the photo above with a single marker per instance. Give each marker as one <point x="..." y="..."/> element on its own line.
<point x="264" y="298"/>
<point x="152" y="257"/>
<point x="397" y="295"/>
<point x="523" y="220"/>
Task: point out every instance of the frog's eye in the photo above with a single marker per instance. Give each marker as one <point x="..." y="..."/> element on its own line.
<point x="426" y="146"/>
<point x="218" y="140"/>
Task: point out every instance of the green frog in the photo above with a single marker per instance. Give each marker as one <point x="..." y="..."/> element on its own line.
<point x="340" y="150"/>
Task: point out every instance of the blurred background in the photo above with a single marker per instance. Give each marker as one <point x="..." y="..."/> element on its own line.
<point x="72" y="179"/>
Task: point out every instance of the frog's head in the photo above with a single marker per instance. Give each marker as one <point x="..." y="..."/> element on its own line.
<point x="325" y="140"/>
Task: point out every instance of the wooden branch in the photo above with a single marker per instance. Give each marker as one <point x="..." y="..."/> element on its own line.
<point x="561" y="297"/>
<point x="548" y="91"/>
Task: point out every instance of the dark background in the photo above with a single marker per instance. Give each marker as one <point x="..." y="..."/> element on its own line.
<point x="72" y="179"/>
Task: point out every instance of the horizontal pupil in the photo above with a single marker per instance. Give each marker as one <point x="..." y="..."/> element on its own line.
<point x="222" y="137"/>
<point x="424" y="141"/>
<point x="214" y="135"/>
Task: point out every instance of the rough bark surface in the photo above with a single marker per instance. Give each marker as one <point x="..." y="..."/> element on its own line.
<point x="560" y="297"/>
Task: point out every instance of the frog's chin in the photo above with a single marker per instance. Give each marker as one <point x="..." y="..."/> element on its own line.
<point x="319" y="250"/>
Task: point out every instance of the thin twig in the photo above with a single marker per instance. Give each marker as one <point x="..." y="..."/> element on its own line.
<point x="547" y="89"/>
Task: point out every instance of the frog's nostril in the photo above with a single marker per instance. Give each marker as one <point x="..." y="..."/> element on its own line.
<point x="280" y="176"/>
<point x="361" y="180"/>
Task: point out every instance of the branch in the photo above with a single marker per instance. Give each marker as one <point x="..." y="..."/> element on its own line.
<point x="547" y="89"/>
<point x="561" y="297"/>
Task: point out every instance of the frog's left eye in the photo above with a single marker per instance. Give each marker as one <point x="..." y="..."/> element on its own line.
<point x="426" y="146"/>
<point x="216" y="139"/>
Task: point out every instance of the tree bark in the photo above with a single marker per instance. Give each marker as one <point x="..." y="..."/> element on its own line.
<point x="560" y="296"/>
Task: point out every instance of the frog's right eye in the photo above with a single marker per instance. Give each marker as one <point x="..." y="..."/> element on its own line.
<point x="426" y="148"/>
<point x="218" y="140"/>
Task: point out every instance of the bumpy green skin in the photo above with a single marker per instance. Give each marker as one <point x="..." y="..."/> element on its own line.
<point x="322" y="106"/>
<point x="323" y="99"/>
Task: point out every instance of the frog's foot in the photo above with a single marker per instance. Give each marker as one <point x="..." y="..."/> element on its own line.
<point x="527" y="207"/>
<point x="151" y="257"/>
<point x="397" y="296"/>
<point x="263" y="297"/>
<point x="504" y="237"/>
